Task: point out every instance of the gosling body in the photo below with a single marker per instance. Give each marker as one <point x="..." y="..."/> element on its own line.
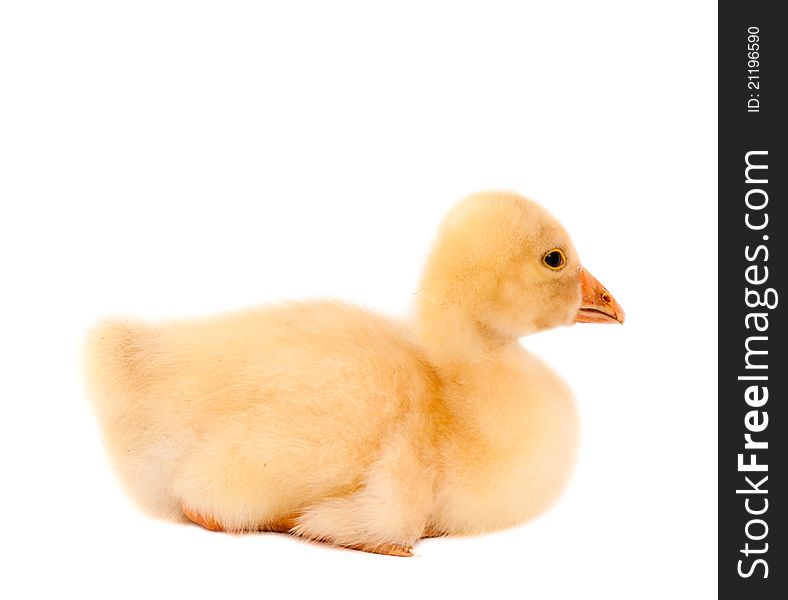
<point x="331" y="422"/>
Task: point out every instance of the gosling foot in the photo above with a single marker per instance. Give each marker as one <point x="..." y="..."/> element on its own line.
<point x="285" y="525"/>
<point x="432" y="533"/>
<point x="205" y="521"/>
<point x="281" y="525"/>
<point x="387" y="549"/>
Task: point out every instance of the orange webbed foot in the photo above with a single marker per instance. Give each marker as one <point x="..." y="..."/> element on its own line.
<point x="205" y="521"/>
<point x="387" y="549"/>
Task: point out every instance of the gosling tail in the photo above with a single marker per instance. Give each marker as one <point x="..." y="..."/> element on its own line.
<point x="115" y="352"/>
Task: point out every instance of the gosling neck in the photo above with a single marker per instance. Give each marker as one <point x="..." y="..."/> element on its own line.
<point x="454" y="339"/>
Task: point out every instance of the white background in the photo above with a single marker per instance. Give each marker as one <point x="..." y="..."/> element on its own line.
<point x="167" y="159"/>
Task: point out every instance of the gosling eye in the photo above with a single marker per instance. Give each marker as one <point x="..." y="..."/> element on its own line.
<point x="555" y="259"/>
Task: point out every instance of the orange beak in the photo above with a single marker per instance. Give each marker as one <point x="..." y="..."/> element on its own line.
<point x="598" y="305"/>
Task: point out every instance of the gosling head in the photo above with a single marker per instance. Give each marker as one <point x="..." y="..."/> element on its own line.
<point x="504" y="265"/>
